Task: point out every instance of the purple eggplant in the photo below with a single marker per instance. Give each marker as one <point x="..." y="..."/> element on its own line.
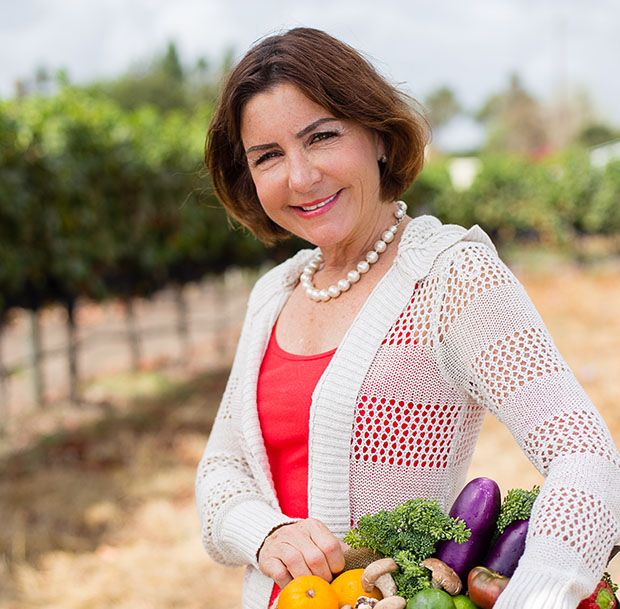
<point x="504" y="554"/>
<point x="478" y="505"/>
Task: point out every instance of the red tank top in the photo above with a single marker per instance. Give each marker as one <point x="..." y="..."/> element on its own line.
<point x="284" y="393"/>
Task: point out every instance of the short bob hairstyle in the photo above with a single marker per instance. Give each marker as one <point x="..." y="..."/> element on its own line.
<point x="331" y="74"/>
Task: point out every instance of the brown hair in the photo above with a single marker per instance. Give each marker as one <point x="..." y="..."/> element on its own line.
<point x="331" y="74"/>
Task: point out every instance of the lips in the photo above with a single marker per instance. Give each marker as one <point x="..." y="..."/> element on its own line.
<point x="318" y="204"/>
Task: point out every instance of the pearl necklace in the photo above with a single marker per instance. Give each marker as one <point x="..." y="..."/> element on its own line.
<point x="354" y="275"/>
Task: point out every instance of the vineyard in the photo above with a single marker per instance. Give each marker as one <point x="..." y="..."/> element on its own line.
<point x="121" y="297"/>
<point x="104" y="204"/>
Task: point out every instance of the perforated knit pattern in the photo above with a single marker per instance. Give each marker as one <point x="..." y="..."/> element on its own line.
<point x="581" y="513"/>
<point x="513" y="374"/>
<point x="570" y="433"/>
<point x="409" y="421"/>
<point x="224" y="490"/>
<point x="464" y="340"/>
<point x="514" y="361"/>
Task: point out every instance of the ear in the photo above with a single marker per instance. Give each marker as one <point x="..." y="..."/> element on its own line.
<point x="380" y="148"/>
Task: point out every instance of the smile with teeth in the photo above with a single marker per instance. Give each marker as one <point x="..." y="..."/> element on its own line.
<point x="319" y="205"/>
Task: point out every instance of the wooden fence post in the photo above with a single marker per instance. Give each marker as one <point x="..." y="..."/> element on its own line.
<point x="4" y="394"/>
<point x="182" y="324"/>
<point x="36" y="357"/>
<point x="72" y="352"/>
<point x="220" y="315"/>
<point x="133" y="334"/>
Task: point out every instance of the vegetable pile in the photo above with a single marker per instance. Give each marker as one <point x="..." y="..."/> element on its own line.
<point x="603" y="596"/>
<point x="475" y="548"/>
<point x="408" y="534"/>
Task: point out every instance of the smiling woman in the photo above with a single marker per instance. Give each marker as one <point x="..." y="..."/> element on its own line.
<point x="346" y="89"/>
<point x="320" y="178"/>
<point x="366" y="365"/>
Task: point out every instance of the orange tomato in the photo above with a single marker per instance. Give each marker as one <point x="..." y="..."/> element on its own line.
<point x="308" y="592"/>
<point x="348" y="587"/>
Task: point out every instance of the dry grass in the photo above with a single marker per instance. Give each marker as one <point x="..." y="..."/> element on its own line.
<point x="101" y="514"/>
<point x="104" y="515"/>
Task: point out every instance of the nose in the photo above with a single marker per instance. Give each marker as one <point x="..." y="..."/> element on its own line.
<point x="303" y="175"/>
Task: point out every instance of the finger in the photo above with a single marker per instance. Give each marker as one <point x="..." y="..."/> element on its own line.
<point x="275" y="569"/>
<point x="330" y="546"/>
<point x="306" y="547"/>
<point x="290" y="552"/>
<point x="313" y="560"/>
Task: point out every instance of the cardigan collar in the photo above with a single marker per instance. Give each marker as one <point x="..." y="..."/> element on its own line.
<point x="423" y="239"/>
<point x="334" y="398"/>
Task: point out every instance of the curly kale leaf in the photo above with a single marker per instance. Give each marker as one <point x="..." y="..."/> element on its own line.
<point x="408" y="534"/>
<point x="517" y="505"/>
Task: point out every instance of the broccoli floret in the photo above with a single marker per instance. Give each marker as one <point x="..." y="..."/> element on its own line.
<point x="408" y="534"/>
<point x="410" y="577"/>
<point x="517" y="505"/>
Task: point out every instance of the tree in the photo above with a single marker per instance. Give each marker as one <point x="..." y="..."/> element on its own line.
<point x="515" y="121"/>
<point x="442" y="106"/>
<point x="164" y="82"/>
<point x="597" y="133"/>
<point x="170" y="64"/>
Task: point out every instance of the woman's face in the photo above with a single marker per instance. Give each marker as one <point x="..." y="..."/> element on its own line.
<point x="315" y="175"/>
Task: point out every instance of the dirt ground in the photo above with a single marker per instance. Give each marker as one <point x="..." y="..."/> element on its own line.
<point x="101" y="512"/>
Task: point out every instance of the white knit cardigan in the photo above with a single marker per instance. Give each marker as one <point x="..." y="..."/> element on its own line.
<point x="447" y="334"/>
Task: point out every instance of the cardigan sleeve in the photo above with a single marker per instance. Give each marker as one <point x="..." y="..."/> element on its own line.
<point x="236" y="514"/>
<point x="493" y="345"/>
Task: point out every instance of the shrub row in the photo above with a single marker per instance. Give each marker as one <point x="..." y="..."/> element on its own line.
<point x="513" y="198"/>
<point x="98" y="202"/>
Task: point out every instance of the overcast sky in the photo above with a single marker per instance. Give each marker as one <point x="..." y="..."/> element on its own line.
<point x="471" y="45"/>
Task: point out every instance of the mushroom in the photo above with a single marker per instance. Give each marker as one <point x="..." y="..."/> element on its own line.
<point x="366" y="602"/>
<point x="378" y="575"/>
<point x="444" y="577"/>
<point x="392" y="602"/>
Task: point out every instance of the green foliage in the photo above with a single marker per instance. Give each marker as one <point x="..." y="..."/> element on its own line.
<point x="602" y="215"/>
<point x="597" y="133"/>
<point x="442" y="106"/>
<point x="515" y="198"/>
<point x="607" y="579"/>
<point x="515" y="120"/>
<point x="429" y="185"/>
<point x="164" y="82"/>
<point x="408" y="534"/>
<point x="96" y="201"/>
<point x="517" y="505"/>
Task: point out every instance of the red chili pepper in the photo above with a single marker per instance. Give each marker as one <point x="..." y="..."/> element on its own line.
<point x="602" y="598"/>
<point x="485" y="585"/>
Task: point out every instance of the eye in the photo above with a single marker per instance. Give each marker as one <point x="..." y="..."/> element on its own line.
<point x="265" y="157"/>
<point x="323" y="135"/>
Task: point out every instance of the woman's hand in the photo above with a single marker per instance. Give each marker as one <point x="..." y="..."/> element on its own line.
<point x="306" y="547"/>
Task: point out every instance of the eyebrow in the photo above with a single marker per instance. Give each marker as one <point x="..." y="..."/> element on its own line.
<point x="311" y="127"/>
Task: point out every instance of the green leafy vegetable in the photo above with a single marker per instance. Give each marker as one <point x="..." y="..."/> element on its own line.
<point x="607" y="579"/>
<point x="408" y="534"/>
<point x="517" y="505"/>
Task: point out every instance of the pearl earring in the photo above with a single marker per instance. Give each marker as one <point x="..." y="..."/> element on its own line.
<point x="383" y="158"/>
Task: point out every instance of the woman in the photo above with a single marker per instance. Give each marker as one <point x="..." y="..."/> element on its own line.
<point x="365" y="365"/>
